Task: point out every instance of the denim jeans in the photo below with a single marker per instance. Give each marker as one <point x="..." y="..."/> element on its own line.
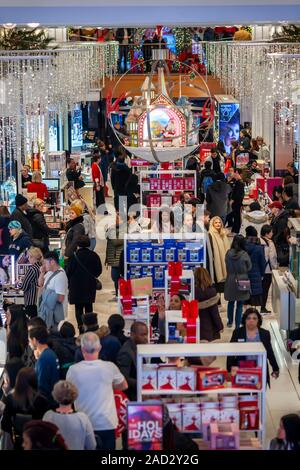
<point x="106" y="440"/>
<point x="115" y="275"/>
<point x="93" y="243"/>
<point x="238" y="313"/>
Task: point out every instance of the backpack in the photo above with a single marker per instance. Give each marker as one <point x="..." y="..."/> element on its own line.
<point x="207" y="181"/>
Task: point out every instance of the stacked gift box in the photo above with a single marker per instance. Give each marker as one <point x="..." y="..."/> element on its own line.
<point x="169" y="183"/>
<point x="193" y="378"/>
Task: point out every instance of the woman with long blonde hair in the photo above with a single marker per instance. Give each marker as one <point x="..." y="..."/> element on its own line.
<point x="220" y="245"/>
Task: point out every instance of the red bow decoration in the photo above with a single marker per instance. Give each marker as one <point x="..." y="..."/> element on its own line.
<point x="190" y="312"/>
<point x="113" y="107"/>
<point x="126" y="294"/>
<point x="175" y="269"/>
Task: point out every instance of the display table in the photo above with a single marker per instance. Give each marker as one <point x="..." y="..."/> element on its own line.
<point x="87" y="193"/>
<point x="251" y="443"/>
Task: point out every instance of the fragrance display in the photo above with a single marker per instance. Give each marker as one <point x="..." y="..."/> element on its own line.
<point x="164" y="187"/>
<point x="183" y="326"/>
<point x="181" y="282"/>
<point x="203" y="399"/>
<point x="134" y="308"/>
<point x="144" y="258"/>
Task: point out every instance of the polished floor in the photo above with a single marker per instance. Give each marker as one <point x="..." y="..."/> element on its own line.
<point x="284" y="395"/>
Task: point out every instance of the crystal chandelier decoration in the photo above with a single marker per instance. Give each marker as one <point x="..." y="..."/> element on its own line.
<point x="34" y="82"/>
<point x="259" y="75"/>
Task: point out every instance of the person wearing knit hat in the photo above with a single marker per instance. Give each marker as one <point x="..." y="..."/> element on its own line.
<point x="20" y="213"/>
<point x="20" y="239"/>
<point x="74" y="229"/>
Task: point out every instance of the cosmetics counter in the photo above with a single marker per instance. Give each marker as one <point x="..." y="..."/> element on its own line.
<point x="222" y="411"/>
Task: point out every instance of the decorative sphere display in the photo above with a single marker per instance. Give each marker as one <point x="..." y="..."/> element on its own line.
<point x="161" y="124"/>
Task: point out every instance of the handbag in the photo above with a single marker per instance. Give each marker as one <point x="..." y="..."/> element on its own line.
<point x="242" y="285"/>
<point x="98" y="282"/>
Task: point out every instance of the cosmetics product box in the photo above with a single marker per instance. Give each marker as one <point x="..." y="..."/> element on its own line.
<point x="210" y="378"/>
<point x="167" y="378"/>
<point x="247" y="378"/>
<point x="158" y="254"/>
<point x="224" y="436"/>
<point x="191" y="417"/>
<point x="170" y="253"/>
<point x="186" y="379"/>
<point x="175" y="413"/>
<point x="149" y="377"/>
<point x="230" y="415"/>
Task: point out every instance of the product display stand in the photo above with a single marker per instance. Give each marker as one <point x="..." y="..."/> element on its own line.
<point x="146" y="352"/>
<point x="163" y="187"/>
<point x="139" y="312"/>
<point x="175" y="316"/>
<point x="187" y="278"/>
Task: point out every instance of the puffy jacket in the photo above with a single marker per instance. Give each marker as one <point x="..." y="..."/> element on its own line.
<point x="20" y="244"/>
<point x="238" y="265"/>
<point x="40" y="229"/>
<point x="115" y="245"/>
<point x="256" y="219"/>
<point x="210" y="320"/>
<point x="257" y="256"/>
<point x="65" y="349"/>
<point x="217" y="199"/>
<point x="75" y="229"/>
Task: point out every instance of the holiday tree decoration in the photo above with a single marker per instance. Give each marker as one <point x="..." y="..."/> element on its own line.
<point x="289" y="33"/>
<point x="24" y="39"/>
<point x="183" y="38"/>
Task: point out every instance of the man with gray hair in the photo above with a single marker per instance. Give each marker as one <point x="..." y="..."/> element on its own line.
<point x="95" y="380"/>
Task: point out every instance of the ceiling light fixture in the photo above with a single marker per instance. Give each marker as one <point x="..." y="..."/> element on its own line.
<point x="33" y="25"/>
<point x="9" y="25"/>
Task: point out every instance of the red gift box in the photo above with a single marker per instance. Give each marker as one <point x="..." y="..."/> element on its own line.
<point x="190" y="312"/>
<point x="249" y="415"/>
<point x="210" y="378"/>
<point x="247" y="378"/>
<point x="125" y="292"/>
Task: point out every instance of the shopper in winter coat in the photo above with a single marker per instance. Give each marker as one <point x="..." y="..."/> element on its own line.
<point x="255" y="217"/>
<point x="257" y="255"/>
<point x="207" y="176"/>
<point x="40" y="229"/>
<point x="74" y="229"/>
<point x="114" y="248"/>
<point x="20" y="239"/>
<point x="220" y="245"/>
<point x="20" y="213"/>
<point x="237" y="197"/>
<point x="120" y="174"/>
<point x="271" y="263"/>
<point x="238" y="264"/>
<point x="217" y="197"/>
<point x="288" y="434"/>
<point x="64" y="345"/>
<point x="82" y="270"/>
<point x="4" y="232"/>
<point x="206" y="294"/>
<point x="217" y="161"/>
<point x="279" y="220"/>
<point x="251" y="331"/>
<point x="23" y="404"/>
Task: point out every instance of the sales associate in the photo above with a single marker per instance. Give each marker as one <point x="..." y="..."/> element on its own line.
<point x="73" y="174"/>
<point x="38" y="187"/>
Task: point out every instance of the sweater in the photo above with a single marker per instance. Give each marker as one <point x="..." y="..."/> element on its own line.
<point x="47" y="371"/>
<point x="40" y="189"/>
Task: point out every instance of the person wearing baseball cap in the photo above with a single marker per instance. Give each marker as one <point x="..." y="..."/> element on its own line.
<point x="279" y="220"/>
<point x="20" y="239"/>
<point x="20" y="213"/>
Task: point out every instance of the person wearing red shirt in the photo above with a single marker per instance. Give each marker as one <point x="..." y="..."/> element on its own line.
<point x="36" y="186"/>
<point x="98" y="180"/>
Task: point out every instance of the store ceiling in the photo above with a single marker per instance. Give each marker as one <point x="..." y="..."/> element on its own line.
<point x="148" y="12"/>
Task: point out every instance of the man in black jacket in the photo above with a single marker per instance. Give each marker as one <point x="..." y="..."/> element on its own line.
<point x="120" y="174"/>
<point x="290" y="201"/>
<point x="124" y="36"/>
<point x="41" y="231"/>
<point x="237" y="197"/>
<point x="127" y="357"/>
<point x="20" y="213"/>
<point x="73" y="174"/>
